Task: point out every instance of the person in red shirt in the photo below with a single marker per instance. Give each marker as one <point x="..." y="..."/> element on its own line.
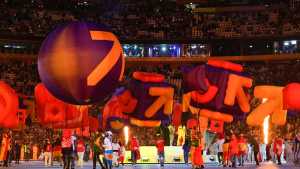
<point x="48" y="153"/>
<point x="66" y="147"/>
<point x="278" y="149"/>
<point x="233" y="150"/>
<point x="80" y="152"/>
<point x="160" y="145"/>
<point x="135" y="152"/>
<point x="242" y="145"/>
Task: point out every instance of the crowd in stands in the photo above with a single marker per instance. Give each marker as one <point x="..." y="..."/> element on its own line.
<point x="160" y="20"/>
<point x="23" y="77"/>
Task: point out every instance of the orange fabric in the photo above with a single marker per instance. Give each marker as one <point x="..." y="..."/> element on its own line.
<point x="235" y="91"/>
<point x="165" y="99"/>
<point x="225" y="65"/>
<point x="207" y="96"/>
<point x="177" y="114"/>
<point x="148" y="77"/>
<point x="191" y="123"/>
<point x="113" y="108"/>
<point x="9" y="104"/>
<point x="109" y="61"/>
<point x="216" y="126"/>
<point x="127" y="101"/>
<point x="145" y="123"/>
<point x="49" y="109"/>
<point x="216" y="115"/>
<point x="272" y="106"/>
<point x="291" y="99"/>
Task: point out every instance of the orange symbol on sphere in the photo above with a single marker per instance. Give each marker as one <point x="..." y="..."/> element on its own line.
<point x="109" y="61"/>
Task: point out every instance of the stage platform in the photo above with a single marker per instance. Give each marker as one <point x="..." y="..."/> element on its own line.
<point x="88" y="165"/>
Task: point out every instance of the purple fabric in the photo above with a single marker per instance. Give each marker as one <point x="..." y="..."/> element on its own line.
<point x="293" y="113"/>
<point x="140" y="90"/>
<point x="218" y="77"/>
<point x="71" y="86"/>
<point x="119" y="91"/>
<point x="194" y="80"/>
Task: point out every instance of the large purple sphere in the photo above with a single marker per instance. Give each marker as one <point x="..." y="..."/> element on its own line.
<point x="81" y="63"/>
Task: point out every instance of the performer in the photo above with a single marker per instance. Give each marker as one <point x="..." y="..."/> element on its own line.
<point x="80" y="151"/>
<point x="5" y="147"/>
<point x="181" y="131"/>
<point x="35" y="151"/>
<point x="242" y="145"/>
<point x="233" y="150"/>
<point x="135" y="153"/>
<point x="48" y="153"/>
<point x="186" y="149"/>
<point x="66" y="144"/>
<point x="278" y="149"/>
<point x="97" y="150"/>
<point x="172" y="133"/>
<point x="160" y="145"/>
<point x="122" y="153"/>
<point x="108" y="151"/>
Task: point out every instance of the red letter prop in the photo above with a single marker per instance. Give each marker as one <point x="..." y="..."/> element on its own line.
<point x="9" y="105"/>
<point x="291" y="96"/>
<point x="272" y="106"/>
<point x="235" y="89"/>
<point x="165" y="99"/>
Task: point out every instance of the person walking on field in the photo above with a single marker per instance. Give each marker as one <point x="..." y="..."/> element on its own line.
<point x="97" y="151"/>
<point x="160" y="145"/>
<point x="233" y="150"/>
<point x="80" y="152"/>
<point x="121" y="153"/>
<point x="220" y="143"/>
<point x="48" y="153"/>
<point x="256" y="150"/>
<point x="186" y="149"/>
<point x="226" y="152"/>
<point x="278" y="149"/>
<point x="242" y="145"/>
<point x="135" y="153"/>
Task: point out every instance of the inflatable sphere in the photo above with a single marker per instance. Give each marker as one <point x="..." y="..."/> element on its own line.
<point x="81" y="63"/>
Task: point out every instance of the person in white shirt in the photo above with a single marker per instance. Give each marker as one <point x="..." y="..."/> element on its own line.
<point x="116" y="149"/>
<point x="108" y="151"/>
<point x="74" y="149"/>
<point x="219" y="146"/>
<point x="172" y="133"/>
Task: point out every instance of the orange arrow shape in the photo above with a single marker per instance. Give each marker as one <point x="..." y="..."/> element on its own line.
<point x="273" y="106"/>
<point x="109" y="61"/>
<point x="165" y="99"/>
